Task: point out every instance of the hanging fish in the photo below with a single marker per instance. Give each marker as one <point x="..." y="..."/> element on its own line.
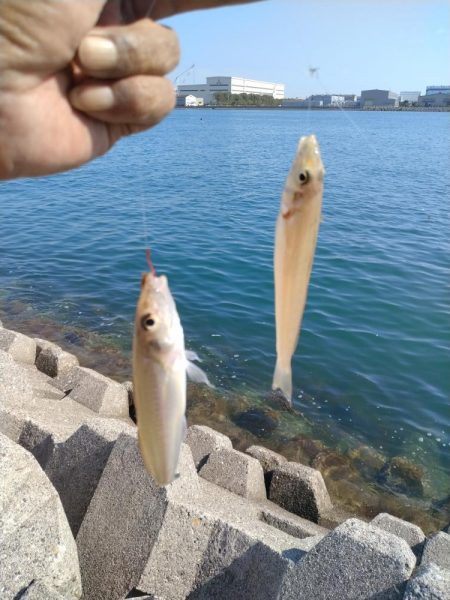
<point x="160" y="363"/>
<point x="295" y="243"/>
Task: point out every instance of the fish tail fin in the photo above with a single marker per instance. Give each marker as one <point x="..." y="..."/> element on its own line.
<point x="282" y="380"/>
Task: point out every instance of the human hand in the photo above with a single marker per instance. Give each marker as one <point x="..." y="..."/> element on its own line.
<point x="77" y="76"/>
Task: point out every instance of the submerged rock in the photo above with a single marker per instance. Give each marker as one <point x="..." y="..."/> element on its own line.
<point x="367" y="460"/>
<point x="301" y="449"/>
<point x="260" y="422"/>
<point x="72" y="338"/>
<point x="334" y="465"/>
<point x="402" y="476"/>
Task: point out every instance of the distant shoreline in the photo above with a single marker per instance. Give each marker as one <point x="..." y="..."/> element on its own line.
<point x="328" y="108"/>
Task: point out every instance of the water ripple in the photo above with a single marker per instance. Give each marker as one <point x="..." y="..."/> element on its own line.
<point x="375" y="337"/>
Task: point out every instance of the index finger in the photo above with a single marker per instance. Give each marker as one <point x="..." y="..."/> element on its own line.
<point x="144" y="47"/>
<point x="167" y="8"/>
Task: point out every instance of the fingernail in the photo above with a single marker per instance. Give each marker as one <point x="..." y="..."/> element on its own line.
<point x="98" y="53"/>
<point x="92" y="99"/>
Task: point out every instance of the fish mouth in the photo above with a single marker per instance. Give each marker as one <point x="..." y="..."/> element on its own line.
<point x="308" y="145"/>
<point x="309" y="152"/>
<point x="153" y="282"/>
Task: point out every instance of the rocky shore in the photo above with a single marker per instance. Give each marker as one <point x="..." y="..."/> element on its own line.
<point x="80" y="517"/>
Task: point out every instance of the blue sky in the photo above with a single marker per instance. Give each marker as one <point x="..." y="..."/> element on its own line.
<point x="358" y="44"/>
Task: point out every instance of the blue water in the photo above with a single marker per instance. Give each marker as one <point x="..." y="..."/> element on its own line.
<point x="203" y="190"/>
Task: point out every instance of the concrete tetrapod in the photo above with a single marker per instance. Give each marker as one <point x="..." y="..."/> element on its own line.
<point x="37" y="548"/>
<point x="190" y="539"/>
<point x="301" y="490"/>
<point x="412" y="534"/>
<point x="73" y="457"/>
<point x="430" y="582"/>
<point x="95" y="391"/>
<point x="124" y="519"/>
<point x="437" y="550"/>
<point x="203" y="440"/>
<point x="235" y="471"/>
<point x="15" y="391"/>
<point x="21" y="347"/>
<point x="269" y="461"/>
<point x="51" y="359"/>
<point x="355" y="561"/>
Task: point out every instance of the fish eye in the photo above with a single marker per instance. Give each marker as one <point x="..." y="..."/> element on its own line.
<point x="303" y="177"/>
<point x="147" y="322"/>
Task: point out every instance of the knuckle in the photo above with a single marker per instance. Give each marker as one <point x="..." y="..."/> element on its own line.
<point x="147" y="47"/>
<point x="129" y="54"/>
<point x="147" y="99"/>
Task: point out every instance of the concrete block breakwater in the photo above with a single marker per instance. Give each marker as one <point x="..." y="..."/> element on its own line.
<point x="81" y="518"/>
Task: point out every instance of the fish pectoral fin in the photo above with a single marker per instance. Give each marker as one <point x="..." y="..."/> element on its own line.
<point x="196" y="374"/>
<point x="191" y="355"/>
<point x="282" y="380"/>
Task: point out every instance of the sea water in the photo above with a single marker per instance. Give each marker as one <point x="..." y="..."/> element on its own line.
<point x="372" y="368"/>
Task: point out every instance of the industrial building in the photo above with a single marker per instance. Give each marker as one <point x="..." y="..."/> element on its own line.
<point x="231" y="85"/>
<point x="437" y="89"/>
<point x="435" y="95"/>
<point x="378" y="98"/>
<point x="323" y="101"/>
<point x="409" y="96"/>
<point x="327" y="99"/>
<point x="293" y="103"/>
<point x="434" y="99"/>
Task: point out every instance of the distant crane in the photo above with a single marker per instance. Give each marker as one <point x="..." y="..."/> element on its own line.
<point x="175" y="81"/>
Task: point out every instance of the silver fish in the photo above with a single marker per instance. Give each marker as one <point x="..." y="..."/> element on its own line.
<point x="159" y="378"/>
<point x="295" y="243"/>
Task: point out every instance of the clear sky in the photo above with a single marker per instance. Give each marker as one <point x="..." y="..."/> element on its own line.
<point x="358" y="44"/>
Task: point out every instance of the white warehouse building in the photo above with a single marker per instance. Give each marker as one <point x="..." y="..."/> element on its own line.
<point x="231" y="85"/>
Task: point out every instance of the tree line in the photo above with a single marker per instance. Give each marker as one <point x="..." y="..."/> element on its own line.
<point x="227" y="99"/>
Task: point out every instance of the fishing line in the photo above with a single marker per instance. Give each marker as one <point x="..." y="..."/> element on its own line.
<point x="314" y="73"/>
<point x="150" y="8"/>
<point x="148" y="13"/>
<point x="149" y="262"/>
<point x="308" y="112"/>
<point x="144" y="222"/>
<point x="352" y="122"/>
